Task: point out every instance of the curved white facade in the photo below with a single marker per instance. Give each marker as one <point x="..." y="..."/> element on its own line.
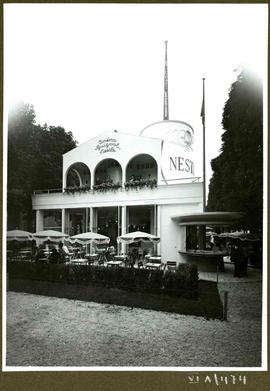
<point x="177" y="160"/>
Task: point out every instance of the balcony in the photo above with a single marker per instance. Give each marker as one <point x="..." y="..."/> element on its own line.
<point x="185" y="193"/>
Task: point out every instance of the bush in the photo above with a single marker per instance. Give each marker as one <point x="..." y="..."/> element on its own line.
<point x="183" y="282"/>
<point x="154" y="282"/>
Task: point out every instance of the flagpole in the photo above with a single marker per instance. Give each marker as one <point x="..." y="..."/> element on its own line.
<point x="203" y="122"/>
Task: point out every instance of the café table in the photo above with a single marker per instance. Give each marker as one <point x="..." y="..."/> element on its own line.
<point x="24" y="254"/>
<point x="122" y="257"/>
<point x="152" y="265"/>
<point x="101" y="257"/>
<point x="91" y="257"/>
<point x="154" y="258"/>
<point x="114" y="263"/>
<point x="79" y="261"/>
<point x="42" y="260"/>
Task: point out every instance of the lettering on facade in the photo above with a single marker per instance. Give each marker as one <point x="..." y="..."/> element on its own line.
<point x="179" y="163"/>
<point x="107" y="145"/>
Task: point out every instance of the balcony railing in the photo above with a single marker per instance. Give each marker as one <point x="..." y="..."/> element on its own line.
<point x="47" y="191"/>
<point x="103" y="187"/>
<point x="161" y="194"/>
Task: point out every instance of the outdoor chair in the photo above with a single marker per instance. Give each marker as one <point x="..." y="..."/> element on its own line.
<point x="140" y="264"/>
<point x="170" y="265"/>
<point x="155" y="264"/>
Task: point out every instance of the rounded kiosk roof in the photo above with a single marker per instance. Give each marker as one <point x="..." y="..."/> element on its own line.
<point x="208" y="218"/>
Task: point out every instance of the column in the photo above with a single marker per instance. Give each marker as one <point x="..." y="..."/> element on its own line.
<point x="158" y="224"/>
<point x="123" y="227"/>
<point x="91" y="217"/>
<point x="86" y="219"/>
<point x="118" y="228"/>
<point x="63" y="221"/>
<point x="39" y="220"/>
<point x="124" y="220"/>
<point x="124" y="175"/>
<point x="155" y="220"/>
<point x="182" y="242"/>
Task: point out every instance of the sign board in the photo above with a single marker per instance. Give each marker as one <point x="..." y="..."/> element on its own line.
<point x="177" y="162"/>
<point x="107" y="145"/>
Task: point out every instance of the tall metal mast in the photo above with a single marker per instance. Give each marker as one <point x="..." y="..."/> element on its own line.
<point x="166" y="95"/>
<point x="203" y="123"/>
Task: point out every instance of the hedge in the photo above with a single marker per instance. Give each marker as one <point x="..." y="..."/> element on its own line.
<point x="182" y="282"/>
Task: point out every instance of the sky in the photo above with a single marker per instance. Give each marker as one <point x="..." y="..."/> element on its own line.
<point x="92" y="68"/>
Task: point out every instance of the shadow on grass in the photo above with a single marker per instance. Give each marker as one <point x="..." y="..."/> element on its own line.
<point x="207" y="305"/>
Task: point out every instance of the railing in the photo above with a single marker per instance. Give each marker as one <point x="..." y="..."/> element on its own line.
<point x="104" y="187"/>
<point x="47" y="191"/>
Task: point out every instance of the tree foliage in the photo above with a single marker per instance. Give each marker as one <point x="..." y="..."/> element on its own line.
<point x="34" y="161"/>
<point x="237" y="181"/>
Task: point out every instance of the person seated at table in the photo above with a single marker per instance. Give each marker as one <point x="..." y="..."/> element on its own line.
<point x="63" y="252"/>
<point x="34" y="253"/>
<point x="112" y="249"/>
<point x="54" y="257"/>
<point x="40" y="255"/>
<point x="140" y="264"/>
<point x="130" y="259"/>
<point x="108" y="254"/>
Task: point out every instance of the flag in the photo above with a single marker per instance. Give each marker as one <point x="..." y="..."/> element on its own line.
<point x="203" y="107"/>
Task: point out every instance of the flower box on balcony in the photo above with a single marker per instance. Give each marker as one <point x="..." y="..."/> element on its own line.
<point x="107" y="186"/>
<point x="77" y="189"/>
<point x="140" y="184"/>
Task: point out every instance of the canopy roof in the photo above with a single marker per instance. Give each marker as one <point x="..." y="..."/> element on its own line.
<point x="208" y="218"/>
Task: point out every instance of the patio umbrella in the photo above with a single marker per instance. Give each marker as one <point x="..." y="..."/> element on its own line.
<point x="49" y="235"/>
<point x="19" y="235"/>
<point x="138" y="236"/>
<point x="88" y="238"/>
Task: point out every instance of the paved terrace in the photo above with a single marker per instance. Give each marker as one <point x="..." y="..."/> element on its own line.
<point x="253" y="275"/>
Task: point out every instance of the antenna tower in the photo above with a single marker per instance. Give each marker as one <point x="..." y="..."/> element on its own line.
<point x="166" y="95"/>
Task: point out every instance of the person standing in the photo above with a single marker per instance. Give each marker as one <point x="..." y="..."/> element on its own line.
<point x="54" y="256"/>
<point x="63" y="252"/>
<point x="237" y="259"/>
<point x="244" y="259"/>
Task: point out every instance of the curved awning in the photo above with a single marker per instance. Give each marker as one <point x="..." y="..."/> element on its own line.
<point x="208" y="218"/>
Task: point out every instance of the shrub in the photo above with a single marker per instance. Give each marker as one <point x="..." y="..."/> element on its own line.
<point x="182" y="282"/>
<point x="140" y="279"/>
<point x="154" y="282"/>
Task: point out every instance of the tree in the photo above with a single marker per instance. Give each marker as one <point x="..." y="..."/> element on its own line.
<point x="237" y="181"/>
<point x="34" y="161"/>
